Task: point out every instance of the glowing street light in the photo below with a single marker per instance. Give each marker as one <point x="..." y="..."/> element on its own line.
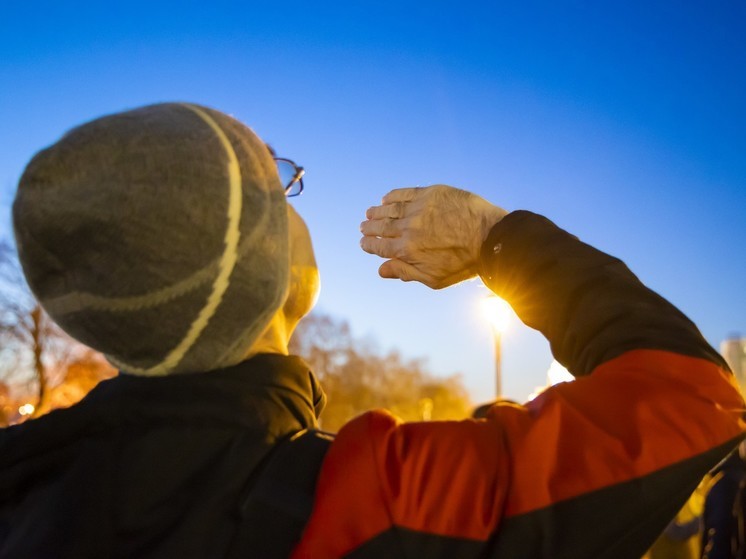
<point x="26" y="409"/>
<point x="497" y="312"/>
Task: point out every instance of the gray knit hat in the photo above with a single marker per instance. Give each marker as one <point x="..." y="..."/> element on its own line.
<point x="157" y="236"/>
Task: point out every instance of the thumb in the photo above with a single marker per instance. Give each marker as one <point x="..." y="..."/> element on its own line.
<point x="398" y="269"/>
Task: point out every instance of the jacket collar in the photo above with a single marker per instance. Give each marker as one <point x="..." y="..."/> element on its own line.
<point x="269" y="394"/>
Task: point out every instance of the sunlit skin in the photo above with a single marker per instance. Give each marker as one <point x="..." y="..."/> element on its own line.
<point x="303" y="290"/>
<point x="431" y="235"/>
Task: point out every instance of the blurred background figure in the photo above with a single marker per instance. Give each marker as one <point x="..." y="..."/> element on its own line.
<point x="723" y="517"/>
<point x="682" y="538"/>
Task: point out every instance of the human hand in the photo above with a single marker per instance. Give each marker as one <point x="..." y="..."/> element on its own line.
<point x="432" y="235"/>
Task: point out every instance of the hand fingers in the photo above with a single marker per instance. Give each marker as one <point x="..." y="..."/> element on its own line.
<point x="394" y="210"/>
<point x="397" y="269"/>
<point x="395" y="204"/>
<point x="401" y="195"/>
<point x="386" y="248"/>
<point x="384" y="227"/>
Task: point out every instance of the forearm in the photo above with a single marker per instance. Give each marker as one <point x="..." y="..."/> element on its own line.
<point x="588" y="304"/>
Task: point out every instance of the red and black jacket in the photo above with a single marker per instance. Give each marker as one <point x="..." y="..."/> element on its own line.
<point x="590" y="469"/>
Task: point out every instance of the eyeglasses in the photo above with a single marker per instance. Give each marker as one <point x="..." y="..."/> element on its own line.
<point x="291" y="176"/>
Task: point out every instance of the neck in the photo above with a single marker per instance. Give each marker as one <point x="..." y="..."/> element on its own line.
<point x="274" y="339"/>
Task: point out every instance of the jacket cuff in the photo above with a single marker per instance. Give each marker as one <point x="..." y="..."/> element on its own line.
<point x="498" y="239"/>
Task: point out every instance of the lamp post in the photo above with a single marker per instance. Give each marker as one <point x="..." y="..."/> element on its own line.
<point x="497" y="312"/>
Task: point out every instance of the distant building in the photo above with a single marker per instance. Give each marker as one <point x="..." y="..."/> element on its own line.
<point x="734" y="351"/>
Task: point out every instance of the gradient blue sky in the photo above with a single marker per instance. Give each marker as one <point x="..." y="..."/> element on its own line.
<point x="624" y="122"/>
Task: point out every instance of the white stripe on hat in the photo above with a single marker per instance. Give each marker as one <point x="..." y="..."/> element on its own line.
<point x="76" y="301"/>
<point x="227" y="260"/>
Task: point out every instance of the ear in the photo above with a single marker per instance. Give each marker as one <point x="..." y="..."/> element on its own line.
<point x="304" y="274"/>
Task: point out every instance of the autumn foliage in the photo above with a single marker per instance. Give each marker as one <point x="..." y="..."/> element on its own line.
<point x="356" y="378"/>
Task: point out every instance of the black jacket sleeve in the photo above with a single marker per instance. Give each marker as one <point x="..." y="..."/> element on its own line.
<point x="588" y="304"/>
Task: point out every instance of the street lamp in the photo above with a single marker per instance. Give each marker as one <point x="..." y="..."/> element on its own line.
<point x="497" y="312"/>
<point x="26" y="409"/>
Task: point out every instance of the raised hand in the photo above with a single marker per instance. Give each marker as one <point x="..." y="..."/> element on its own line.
<point x="431" y="234"/>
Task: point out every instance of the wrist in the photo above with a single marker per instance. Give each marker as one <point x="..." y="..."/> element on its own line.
<point x="490" y="217"/>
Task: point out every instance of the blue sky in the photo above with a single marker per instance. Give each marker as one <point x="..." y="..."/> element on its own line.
<point x="623" y="122"/>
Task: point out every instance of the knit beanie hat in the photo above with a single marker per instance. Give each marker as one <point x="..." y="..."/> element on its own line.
<point x="157" y="236"/>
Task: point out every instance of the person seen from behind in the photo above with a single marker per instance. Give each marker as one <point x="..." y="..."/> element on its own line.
<point x="163" y="238"/>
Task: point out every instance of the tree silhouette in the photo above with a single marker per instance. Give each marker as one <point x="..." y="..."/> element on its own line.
<point x="35" y="354"/>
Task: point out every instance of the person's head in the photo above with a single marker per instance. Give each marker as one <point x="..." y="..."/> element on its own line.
<point x="162" y="237"/>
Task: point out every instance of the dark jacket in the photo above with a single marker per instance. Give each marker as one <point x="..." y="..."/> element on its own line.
<point x="149" y="467"/>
